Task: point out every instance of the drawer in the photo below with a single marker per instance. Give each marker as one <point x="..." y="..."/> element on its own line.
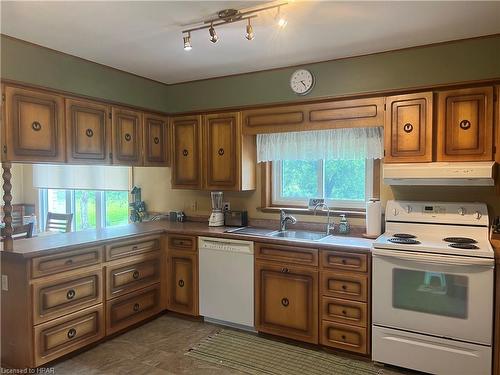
<point x="132" y="247"/>
<point x="132" y="308"/>
<point x="343" y="336"/>
<point x="66" y="261"/>
<point x="341" y="260"/>
<point x="55" y="297"/>
<point x="179" y="242"/>
<point x="126" y="277"/>
<point x="344" y="311"/>
<point x="350" y="286"/>
<point x="287" y="254"/>
<point x="68" y="333"/>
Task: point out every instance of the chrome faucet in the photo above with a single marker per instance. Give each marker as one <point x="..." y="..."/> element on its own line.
<point x="329" y="227"/>
<point x="286" y="218"/>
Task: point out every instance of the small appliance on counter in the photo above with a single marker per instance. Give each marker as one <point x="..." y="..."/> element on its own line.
<point x="177" y="215"/>
<point x="217" y="217"/>
<point x="236" y="218"/>
<point x="137" y="207"/>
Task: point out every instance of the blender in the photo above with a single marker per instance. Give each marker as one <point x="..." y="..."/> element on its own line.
<point x="217" y="217"/>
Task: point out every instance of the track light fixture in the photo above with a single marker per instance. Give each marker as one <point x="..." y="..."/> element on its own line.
<point x="187" y="42"/>
<point x="213" y="35"/>
<point x="230" y="16"/>
<point x="250" y="34"/>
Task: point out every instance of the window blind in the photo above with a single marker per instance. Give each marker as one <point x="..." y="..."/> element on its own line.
<point x="81" y="177"/>
<point x="331" y="144"/>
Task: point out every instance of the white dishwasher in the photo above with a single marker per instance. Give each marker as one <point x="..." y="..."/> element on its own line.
<point x="226" y="281"/>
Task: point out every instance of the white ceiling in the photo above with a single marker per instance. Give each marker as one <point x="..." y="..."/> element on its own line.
<point x="145" y="38"/>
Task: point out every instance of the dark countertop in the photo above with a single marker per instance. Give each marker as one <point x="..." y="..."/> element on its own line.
<point x="44" y="245"/>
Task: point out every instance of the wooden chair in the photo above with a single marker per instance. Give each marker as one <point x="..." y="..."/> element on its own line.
<point x="21" y="231"/>
<point x="58" y="222"/>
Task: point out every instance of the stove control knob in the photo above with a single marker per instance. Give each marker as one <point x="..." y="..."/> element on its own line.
<point x="461" y="211"/>
<point x="478" y="215"/>
<point x="408" y="209"/>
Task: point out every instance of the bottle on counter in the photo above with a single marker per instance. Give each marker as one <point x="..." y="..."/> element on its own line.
<point x="344" y="226"/>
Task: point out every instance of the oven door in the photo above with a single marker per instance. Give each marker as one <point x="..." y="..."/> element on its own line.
<point x="442" y="295"/>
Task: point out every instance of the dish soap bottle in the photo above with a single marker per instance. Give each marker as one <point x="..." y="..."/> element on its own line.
<point x="344" y="226"/>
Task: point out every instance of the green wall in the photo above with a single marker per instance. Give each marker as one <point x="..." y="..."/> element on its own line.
<point x="460" y="61"/>
<point x="40" y="66"/>
<point x="468" y="60"/>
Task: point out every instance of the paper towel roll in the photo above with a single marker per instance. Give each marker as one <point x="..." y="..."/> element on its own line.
<point x="373" y="218"/>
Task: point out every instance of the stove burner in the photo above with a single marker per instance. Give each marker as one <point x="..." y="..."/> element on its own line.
<point x="404" y="235"/>
<point x="463" y="246"/>
<point x="459" y="240"/>
<point x="404" y="241"/>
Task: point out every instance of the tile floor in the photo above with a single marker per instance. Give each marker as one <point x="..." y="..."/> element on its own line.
<point x="155" y="348"/>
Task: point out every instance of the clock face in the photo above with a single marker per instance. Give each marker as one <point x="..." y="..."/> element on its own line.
<point x="301" y="81"/>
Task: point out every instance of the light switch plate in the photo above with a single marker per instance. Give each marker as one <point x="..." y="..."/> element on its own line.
<point x="5" y="282"/>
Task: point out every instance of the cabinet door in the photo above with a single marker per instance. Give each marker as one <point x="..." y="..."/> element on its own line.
<point x="127" y="137"/>
<point x="497" y="121"/>
<point x="465" y="125"/>
<point x="156" y="141"/>
<point x="286" y="301"/>
<point x="34" y="125"/>
<point x="186" y="167"/>
<point x="408" y="128"/>
<point x="182" y="282"/>
<point x="88" y="130"/>
<point x="220" y="152"/>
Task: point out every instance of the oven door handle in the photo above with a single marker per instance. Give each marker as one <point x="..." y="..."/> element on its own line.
<point x="444" y="260"/>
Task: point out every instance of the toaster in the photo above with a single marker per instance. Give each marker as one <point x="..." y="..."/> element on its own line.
<point x="236" y="218"/>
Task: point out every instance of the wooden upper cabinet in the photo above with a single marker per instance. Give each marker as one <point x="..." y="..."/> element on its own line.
<point x="497" y="151"/>
<point x="186" y="163"/>
<point x="221" y="151"/>
<point x="127" y="136"/>
<point x="88" y="130"/>
<point x="465" y="125"/>
<point x="367" y="112"/>
<point x="156" y="141"/>
<point x="34" y="125"/>
<point x="408" y="128"/>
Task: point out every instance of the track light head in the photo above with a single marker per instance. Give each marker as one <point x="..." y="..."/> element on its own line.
<point x="213" y="35"/>
<point x="250" y="34"/>
<point x="187" y="42"/>
<point x="281" y="19"/>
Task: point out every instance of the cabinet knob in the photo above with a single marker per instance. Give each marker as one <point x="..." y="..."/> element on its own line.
<point x="221" y="151"/>
<point x="71" y="333"/>
<point x="89" y="133"/>
<point x="185" y="152"/>
<point x="135" y="275"/>
<point x="465" y="124"/>
<point x="285" y="302"/>
<point x="344" y="261"/>
<point x="128" y="137"/>
<point x="181" y="283"/>
<point x="156" y="140"/>
<point x="284" y="270"/>
<point x="136" y="307"/>
<point x="343" y="337"/>
<point x="344" y="312"/>
<point x="70" y="294"/>
<point x="36" y="126"/>
<point x="408" y="128"/>
<point x="344" y="287"/>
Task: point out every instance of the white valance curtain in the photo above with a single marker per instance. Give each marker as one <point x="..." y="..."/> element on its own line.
<point x="81" y="177"/>
<point x="333" y="144"/>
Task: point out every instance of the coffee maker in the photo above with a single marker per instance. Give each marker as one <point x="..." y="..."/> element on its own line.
<point x="217" y="217"/>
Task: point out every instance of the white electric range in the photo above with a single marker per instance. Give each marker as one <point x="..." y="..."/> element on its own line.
<point x="433" y="273"/>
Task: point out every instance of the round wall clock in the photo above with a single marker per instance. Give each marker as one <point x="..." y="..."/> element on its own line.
<point x="301" y="82"/>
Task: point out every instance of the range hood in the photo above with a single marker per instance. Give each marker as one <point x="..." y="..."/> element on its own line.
<point x="441" y="173"/>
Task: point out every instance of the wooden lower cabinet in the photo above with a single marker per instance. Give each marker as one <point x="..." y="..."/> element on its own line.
<point x="131" y="308"/>
<point x="182" y="283"/>
<point x="344" y="311"/>
<point x="286" y="301"/>
<point x="68" y="333"/>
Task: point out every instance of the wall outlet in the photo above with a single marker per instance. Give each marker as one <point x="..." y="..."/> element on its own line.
<point x="226" y="206"/>
<point x="194" y="205"/>
<point x="5" y="282"/>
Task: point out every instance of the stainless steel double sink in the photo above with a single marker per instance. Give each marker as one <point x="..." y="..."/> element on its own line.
<point x="290" y="234"/>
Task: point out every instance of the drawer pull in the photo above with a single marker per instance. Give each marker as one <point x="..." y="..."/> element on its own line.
<point x="344" y="312"/>
<point x="136" y="307"/>
<point x="344" y="287"/>
<point x="69" y="262"/>
<point x="343" y="337"/>
<point x="284" y="270"/>
<point x="181" y="283"/>
<point x="135" y="247"/>
<point x="71" y="333"/>
<point x="135" y="275"/>
<point x="285" y="302"/>
<point x="344" y="261"/>
<point x="71" y="294"/>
